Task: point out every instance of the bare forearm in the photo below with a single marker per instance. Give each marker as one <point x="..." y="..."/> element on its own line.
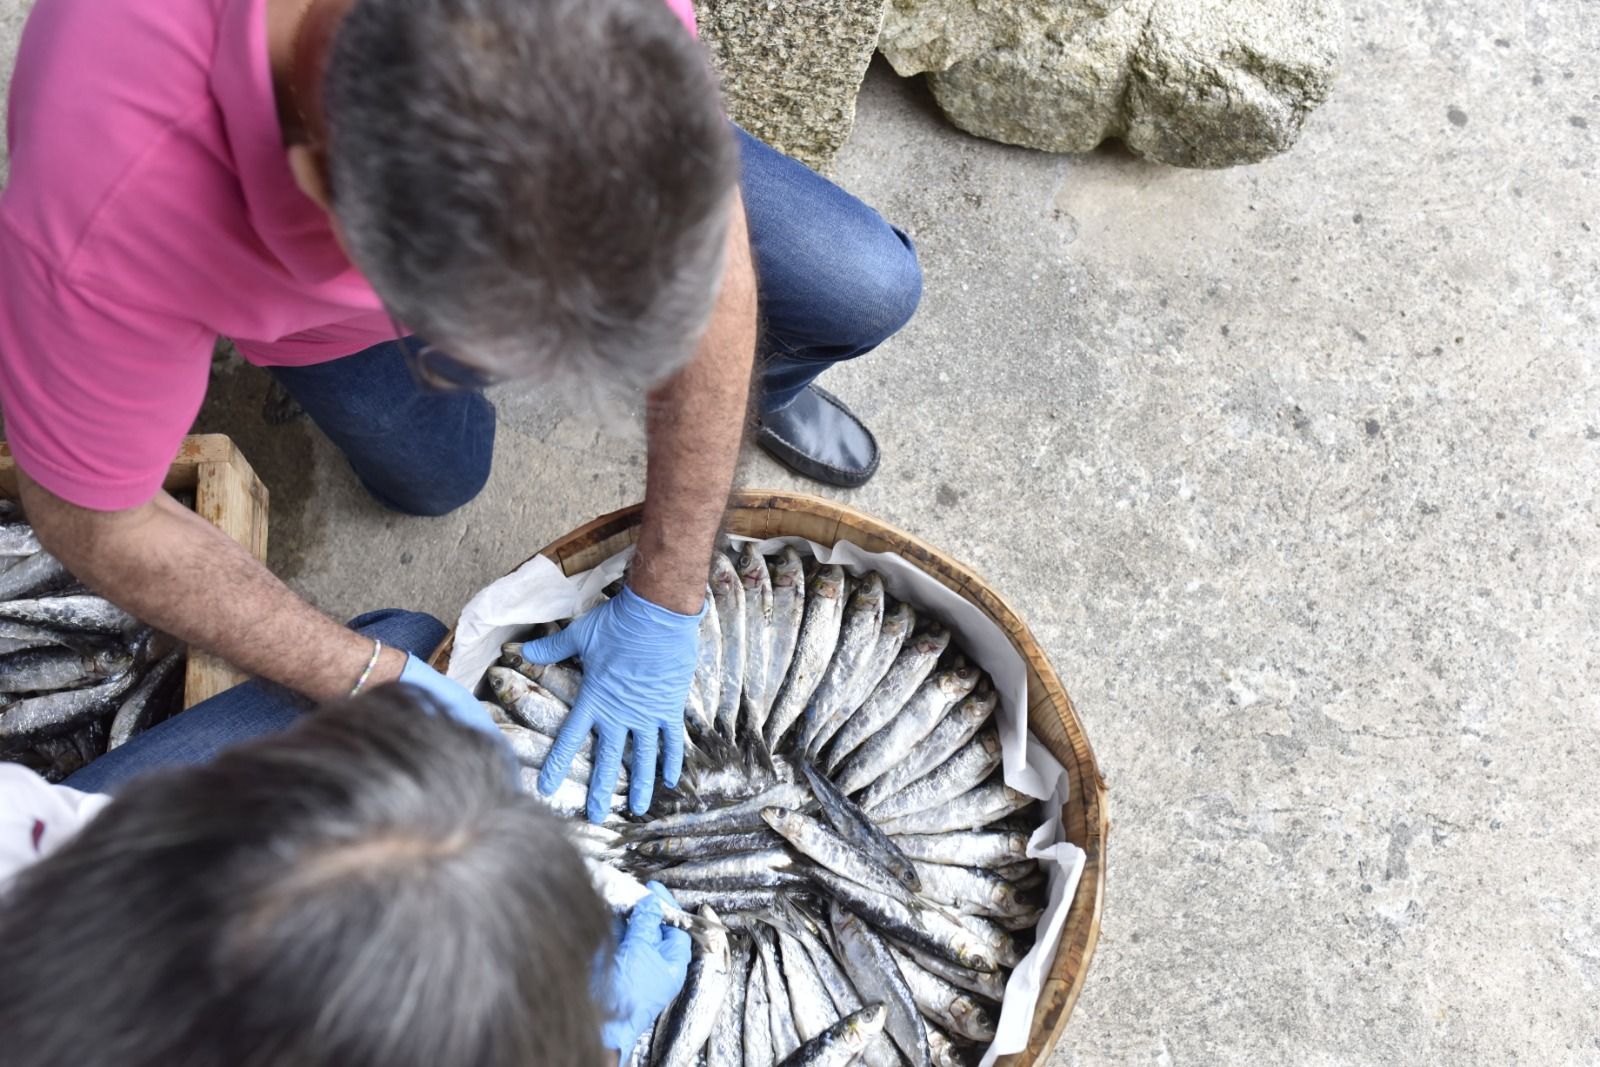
<point x="696" y="425"/>
<point x="179" y="573"/>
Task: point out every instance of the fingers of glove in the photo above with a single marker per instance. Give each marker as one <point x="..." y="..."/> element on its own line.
<point x="644" y="923"/>
<point x="642" y="782"/>
<point x="607" y="768"/>
<point x="672" y="751"/>
<point x="558" y="762"/>
<point x="675" y="953"/>
<point x="552" y="649"/>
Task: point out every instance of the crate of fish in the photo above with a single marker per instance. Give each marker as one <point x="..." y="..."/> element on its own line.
<point x="889" y="836"/>
<point x="79" y="676"/>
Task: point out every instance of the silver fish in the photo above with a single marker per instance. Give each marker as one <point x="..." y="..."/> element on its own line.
<point x="808" y="997"/>
<point x="770" y="867"/>
<point x="988" y="984"/>
<point x="785" y="1039"/>
<point x="622" y="893"/>
<point x="708" y="665"/>
<point x="819" y="636"/>
<point x="528" y="703"/>
<point x="703" y="847"/>
<point x="898" y="622"/>
<point x="531" y="748"/>
<point x="59" y="713"/>
<point x="39" y="573"/>
<point x="966" y="848"/>
<point x="965" y="770"/>
<point x="914" y="722"/>
<point x="757" y="1014"/>
<point x="18" y="539"/>
<point x="758" y="631"/>
<point x="735" y="818"/>
<point x="561" y="680"/>
<point x="21" y="636"/>
<point x="788" y="612"/>
<point x="694" y="1013"/>
<point x="44" y="669"/>
<point x="1008" y="952"/>
<point x="821" y="845"/>
<point x="852" y="824"/>
<point x="727" y="600"/>
<point x="970" y="891"/>
<point x="817" y="938"/>
<point x="726" y="1046"/>
<point x="726" y="901"/>
<point x="952" y="1008"/>
<point x="928" y="928"/>
<point x="943" y="741"/>
<point x="92" y="613"/>
<point x="571" y="796"/>
<point x="943" y="1050"/>
<point x="858" y="637"/>
<point x="147" y="700"/>
<point x="842" y="1043"/>
<point x="872" y="967"/>
<point x="911" y="667"/>
<point x="971" y="810"/>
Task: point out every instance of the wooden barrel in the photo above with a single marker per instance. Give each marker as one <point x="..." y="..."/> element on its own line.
<point x="1054" y="721"/>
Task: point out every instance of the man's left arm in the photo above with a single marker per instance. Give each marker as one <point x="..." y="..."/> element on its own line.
<point x="639" y="648"/>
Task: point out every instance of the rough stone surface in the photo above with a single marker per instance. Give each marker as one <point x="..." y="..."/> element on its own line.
<point x="1294" y="470"/>
<point x="1195" y="83"/>
<point x="791" y="68"/>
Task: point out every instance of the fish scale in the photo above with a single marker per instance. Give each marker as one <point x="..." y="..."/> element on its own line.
<point x="910" y="669"/>
<point x="913" y="723"/>
<point x="727" y="600"/>
<point x="858" y="636"/>
<point x="819" y="636"/>
<point x="758" y="632"/>
<point x="964" y="771"/>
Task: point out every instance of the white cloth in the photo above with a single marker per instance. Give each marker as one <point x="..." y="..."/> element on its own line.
<point x="36" y="818"/>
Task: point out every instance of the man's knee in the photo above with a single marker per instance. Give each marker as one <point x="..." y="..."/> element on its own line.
<point x="439" y="492"/>
<point x="448" y="476"/>
<point x="889" y="288"/>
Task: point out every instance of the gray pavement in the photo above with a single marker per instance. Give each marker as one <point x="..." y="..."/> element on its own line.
<point x="1291" y="469"/>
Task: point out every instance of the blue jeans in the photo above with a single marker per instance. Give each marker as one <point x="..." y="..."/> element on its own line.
<point x="834" y="281"/>
<point x="246" y="711"/>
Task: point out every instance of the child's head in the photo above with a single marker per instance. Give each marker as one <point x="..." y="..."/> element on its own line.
<point x="367" y="887"/>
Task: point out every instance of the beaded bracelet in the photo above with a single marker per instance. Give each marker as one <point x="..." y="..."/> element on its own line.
<point x="377" y="647"/>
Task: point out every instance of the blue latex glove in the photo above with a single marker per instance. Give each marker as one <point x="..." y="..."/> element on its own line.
<point x="452" y="698"/>
<point x="638" y="663"/>
<point x="647" y="971"/>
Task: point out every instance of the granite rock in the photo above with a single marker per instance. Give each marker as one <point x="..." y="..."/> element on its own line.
<point x="791" y="70"/>
<point x="1194" y="83"/>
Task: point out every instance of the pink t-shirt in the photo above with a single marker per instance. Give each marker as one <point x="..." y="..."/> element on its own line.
<point x="151" y="208"/>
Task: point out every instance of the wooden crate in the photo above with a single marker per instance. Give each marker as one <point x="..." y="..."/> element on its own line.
<point x="1051" y="715"/>
<point x="227" y="494"/>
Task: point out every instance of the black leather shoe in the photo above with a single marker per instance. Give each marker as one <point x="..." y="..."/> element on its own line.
<point x="819" y="437"/>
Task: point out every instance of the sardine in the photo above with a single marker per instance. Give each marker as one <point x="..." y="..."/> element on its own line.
<point x="910" y="669"/>
<point x="858" y="638"/>
<point x="678" y="849"/>
<point x="785" y="1039"/>
<point x="727" y="600"/>
<point x="842" y="1043"/>
<point x="758" y="631"/>
<point x="622" y="893"/>
<point x="965" y="770"/>
<point x="943" y="1050"/>
<point x="757" y="1013"/>
<point x="953" y="1008"/>
<point x="531" y="748"/>
<point x="872" y="967"/>
<point x="970" y="891"/>
<point x="39" y="573"/>
<point x="708" y="665"/>
<point x="808" y="997"/>
<point x="18" y="539"/>
<point x="928" y="928"/>
<point x="788" y="612"/>
<point x="560" y="680"/>
<point x="821" y="845"/>
<point x="914" y="722"/>
<point x="735" y="818"/>
<point x="726" y="901"/>
<point x="852" y="824"/>
<point x="768" y="868"/>
<point x="44" y="669"/>
<point x="988" y="984"/>
<point x="52" y="714"/>
<point x="966" y="848"/>
<point x="726" y="1046"/>
<point x="91" y="613"/>
<point x="898" y="622"/>
<point x="694" y="1013"/>
<point x="571" y="797"/>
<point x="148" y="699"/>
<point x="819" y="636"/>
<point x="942" y="742"/>
<point x="972" y="810"/>
<point x="528" y="703"/>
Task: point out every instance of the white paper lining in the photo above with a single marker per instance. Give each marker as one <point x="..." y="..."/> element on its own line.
<point x="538" y="592"/>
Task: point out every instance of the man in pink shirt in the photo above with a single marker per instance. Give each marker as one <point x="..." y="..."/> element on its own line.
<point x="389" y="205"/>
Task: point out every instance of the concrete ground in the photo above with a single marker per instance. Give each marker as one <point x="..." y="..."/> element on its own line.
<point x="1291" y="468"/>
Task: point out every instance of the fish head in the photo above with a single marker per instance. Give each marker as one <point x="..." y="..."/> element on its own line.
<point x="869" y="591"/>
<point x="976" y="956"/>
<point x="932" y="641"/>
<point x="777" y="817"/>
<point x="511" y="653"/>
<point x="109" y="661"/>
<point x="506" y="684"/>
<point x="973" y="1015"/>
<point x="867" y="1023"/>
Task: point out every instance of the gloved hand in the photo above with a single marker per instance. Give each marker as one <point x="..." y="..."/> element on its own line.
<point x="452" y="697"/>
<point x="647" y="971"/>
<point x="638" y="663"/>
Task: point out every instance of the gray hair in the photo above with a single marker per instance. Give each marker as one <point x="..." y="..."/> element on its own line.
<point x="366" y="888"/>
<point x="541" y="188"/>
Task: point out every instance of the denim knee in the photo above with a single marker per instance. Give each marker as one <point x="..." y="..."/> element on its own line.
<point x="451" y="477"/>
<point x="886" y="288"/>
